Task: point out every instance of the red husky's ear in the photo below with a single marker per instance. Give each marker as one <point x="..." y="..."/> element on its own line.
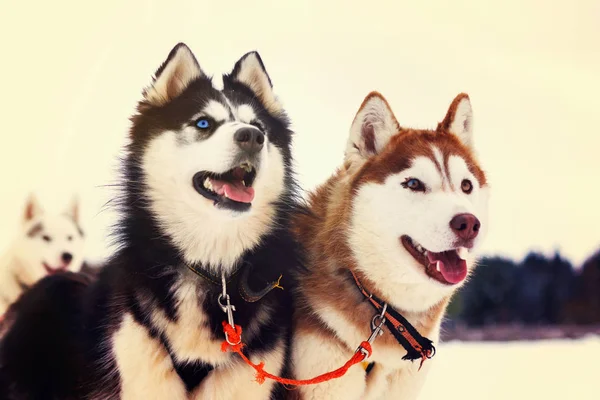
<point x="32" y="208"/>
<point x="371" y="129"/>
<point x="173" y="76"/>
<point x="459" y="119"/>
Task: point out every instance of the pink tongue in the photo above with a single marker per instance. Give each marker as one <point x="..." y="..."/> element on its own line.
<point x="236" y="191"/>
<point x="452" y="267"/>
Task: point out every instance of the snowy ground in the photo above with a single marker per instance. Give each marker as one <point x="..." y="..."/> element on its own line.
<point x="561" y="369"/>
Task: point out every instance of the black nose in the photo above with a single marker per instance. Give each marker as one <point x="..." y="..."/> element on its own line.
<point x="465" y="226"/>
<point x="66" y="257"/>
<point x="250" y="140"/>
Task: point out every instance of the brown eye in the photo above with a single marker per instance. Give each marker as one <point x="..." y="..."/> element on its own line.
<point x="466" y="186"/>
<point x="414" y="184"/>
<point x="46" y="238"/>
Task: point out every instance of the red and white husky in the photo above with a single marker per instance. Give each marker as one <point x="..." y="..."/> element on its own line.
<point x="405" y="214"/>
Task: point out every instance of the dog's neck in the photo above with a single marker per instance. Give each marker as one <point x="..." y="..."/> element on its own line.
<point x="424" y="317"/>
<point x="328" y="282"/>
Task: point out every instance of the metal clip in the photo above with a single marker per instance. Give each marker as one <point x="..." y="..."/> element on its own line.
<point x="381" y="317"/>
<point x="225" y="304"/>
<point x="227" y="308"/>
<point x="376" y="330"/>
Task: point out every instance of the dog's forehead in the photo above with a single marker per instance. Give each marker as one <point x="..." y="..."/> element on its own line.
<point x="218" y="110"/>
<point x="225" y="109"/>
<point x="437" y="153"/>
<point x="426" y="168"/>
<point x="439" y="169"/>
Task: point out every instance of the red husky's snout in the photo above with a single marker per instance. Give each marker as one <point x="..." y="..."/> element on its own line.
<point x="466" y="227"/>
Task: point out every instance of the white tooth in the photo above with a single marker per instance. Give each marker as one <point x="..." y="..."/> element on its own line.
<point x="208" y="184"/>
<point x="437" y="266"/>
<point x="462" y="252"/>
<point x="246" y="167"/>
<point x="225" y="194"/>
<point x="244" y="182"/>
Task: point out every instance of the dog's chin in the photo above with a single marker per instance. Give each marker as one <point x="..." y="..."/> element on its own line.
<point x="54" y="270"/>
<point x="448" y="268"/>
<point x="231" y="190"/>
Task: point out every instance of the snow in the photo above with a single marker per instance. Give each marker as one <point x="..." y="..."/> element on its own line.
<point x="552" y="369"/>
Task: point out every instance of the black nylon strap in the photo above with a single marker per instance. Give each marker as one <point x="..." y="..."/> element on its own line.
<point x="424" y="348"/>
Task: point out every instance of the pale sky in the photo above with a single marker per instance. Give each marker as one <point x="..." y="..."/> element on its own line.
<point x="72" y="73"/>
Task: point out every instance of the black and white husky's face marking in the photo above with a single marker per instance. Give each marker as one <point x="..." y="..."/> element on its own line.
<point x="48" y="243"/>
<point x="213" y="162"/>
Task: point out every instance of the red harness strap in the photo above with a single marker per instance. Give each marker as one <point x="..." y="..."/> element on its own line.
<point x="233" y="335"/>
<point x="417" y="346"/>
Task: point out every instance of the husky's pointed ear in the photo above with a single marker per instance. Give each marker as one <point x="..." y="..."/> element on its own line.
<point x="371" y="129"/>
<point x="459" y="119"/>
<point x="174" y="75"/>
<point x="251" y="71"/>
<point x="73" y="209"/>
<point x="32" y="208"/>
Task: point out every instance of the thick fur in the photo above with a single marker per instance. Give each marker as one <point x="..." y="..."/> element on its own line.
<point x="46" y="243"/>
<point x="358" y="217"/>
<point x="148" y="327"/>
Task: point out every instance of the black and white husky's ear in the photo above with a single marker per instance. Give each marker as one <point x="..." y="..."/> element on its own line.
<point x="174" y="76"/>
<point x="32" y="208"/>
<point x="371" y="129"/>
<point x="459" y="119"/>
<point x="73" y="210"/>
<point x="251" y="71"/>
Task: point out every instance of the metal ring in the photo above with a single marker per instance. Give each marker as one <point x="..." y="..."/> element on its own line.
<point x="374" y="325"/>
<point x="364" y="352"/>
<point x="220" y="301"/>
<point x="431" y="352"/>
<point x="228" y="341"/>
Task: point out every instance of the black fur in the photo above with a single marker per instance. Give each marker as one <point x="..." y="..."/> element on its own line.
<point x="56" y="345"/>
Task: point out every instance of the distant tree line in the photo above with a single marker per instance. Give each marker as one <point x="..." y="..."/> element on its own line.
<point x="537" y="291"/>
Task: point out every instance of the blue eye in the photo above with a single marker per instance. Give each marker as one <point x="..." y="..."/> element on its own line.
<point x="414" y="184"/>
<point x="203" y="123"/>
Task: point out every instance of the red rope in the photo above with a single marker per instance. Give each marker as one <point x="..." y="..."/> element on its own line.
<point x="234" y="336"/>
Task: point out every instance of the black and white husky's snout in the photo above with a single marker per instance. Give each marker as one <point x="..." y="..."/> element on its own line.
<point x="208" y="191"/>
<point x="233" y="188"/>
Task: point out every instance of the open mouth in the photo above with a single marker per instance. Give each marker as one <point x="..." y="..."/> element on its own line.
<point x="447" y="267"/>
<point x="232" y="189"/>
<point x="51" y="270"/>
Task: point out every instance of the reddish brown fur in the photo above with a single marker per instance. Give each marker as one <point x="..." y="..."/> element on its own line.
<point x="324" y="232"/>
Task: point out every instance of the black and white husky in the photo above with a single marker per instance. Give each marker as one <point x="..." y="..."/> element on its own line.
<point x="207" y="192"/>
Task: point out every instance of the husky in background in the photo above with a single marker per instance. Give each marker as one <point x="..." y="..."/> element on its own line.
<point x="398" y="224"/>
<point x="46" y="244"/>
<point x="207" y="196"/>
